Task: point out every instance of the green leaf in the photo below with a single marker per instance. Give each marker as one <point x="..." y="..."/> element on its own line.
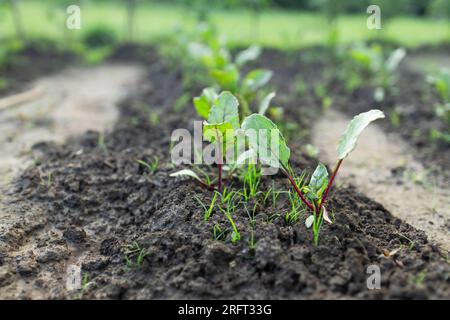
<point x="265" y="103"/>
<point x="250" y="54"/>
<point x="225" y="109"/>
<point x="213" y="132"/>
<point x="350" y="136"/>
<point x="256" y="79"/>
<point x="205" y="101"/>
<point x="319" y="180"/>
<point x="226" y="78"/>
<point x="263" y="147"/>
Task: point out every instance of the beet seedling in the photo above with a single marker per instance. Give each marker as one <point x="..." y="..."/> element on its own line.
<point x="315" y="194"/>
<point x="441" y="84"/>
<point x="369" y="62"/>
<point x="226" y="73"/>
<point x="219" y="129"/>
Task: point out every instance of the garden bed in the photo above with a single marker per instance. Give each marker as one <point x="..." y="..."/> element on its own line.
<point x="88" y="202"/>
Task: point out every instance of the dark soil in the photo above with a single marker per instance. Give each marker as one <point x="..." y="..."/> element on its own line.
<point x="32" y="61"/>
<point x="38" y="59"/>
<point x="99" y="200"/>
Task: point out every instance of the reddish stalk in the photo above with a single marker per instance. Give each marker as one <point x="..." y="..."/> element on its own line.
<point x="209" y="187"/>
<point x="297" y="190"/>
<point x="219" y="183"/>
<point x="330" y="183"/>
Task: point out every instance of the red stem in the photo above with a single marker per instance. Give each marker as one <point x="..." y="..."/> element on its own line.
<point x="300" y="194"/>
<point x="210" y="187"/>
<point x="330" y="183"/>
<point x="219" y="183"/>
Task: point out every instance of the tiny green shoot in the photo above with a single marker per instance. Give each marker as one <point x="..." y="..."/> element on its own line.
<point x="207" y="211"/>
<point x="135" y="255"/>
<point x="152" y="166"/>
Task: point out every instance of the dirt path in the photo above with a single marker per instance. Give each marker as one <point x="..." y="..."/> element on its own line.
<point x="62" y="106"/>
<point x="383" y="168"/>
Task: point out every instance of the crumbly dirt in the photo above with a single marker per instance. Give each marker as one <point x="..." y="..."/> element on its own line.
<point x="67" y="104"/>
<point x="100" y="202"/>
<point x="384" y="168"/>
<point x="32" y="61"/>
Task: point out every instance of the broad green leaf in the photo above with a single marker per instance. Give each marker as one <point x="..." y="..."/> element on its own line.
<point x="213" y="132"/>
<point x="222" y="134"/>
<point x="205" y="101"/>
<point x="276" y="155"/>
<point x="319" y="180"/>
<point x="350" y="136"/>
<point x="309" y="221"/>
<point x="250" y="54"/>
<point x="226" y="78"/>
<point x="265" y="103"/>
<point x="186" y="172"/>
<point x="256" y="79"/>
<point x="225" y="109"/>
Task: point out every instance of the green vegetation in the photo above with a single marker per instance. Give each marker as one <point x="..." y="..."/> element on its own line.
<point x="281" y="28"/>
<point x="363" y="65"/>
<point x="134" y="255"/>
<point x="315" y="194"/>
<point x="150" y="166"/>
<point x="441" y="85"/>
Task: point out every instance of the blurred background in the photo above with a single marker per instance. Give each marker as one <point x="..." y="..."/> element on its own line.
<point x="271" y="23"/>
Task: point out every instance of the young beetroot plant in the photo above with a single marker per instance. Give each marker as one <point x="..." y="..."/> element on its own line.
<point x="220" y="129"/>
<point x="315" y="194"/>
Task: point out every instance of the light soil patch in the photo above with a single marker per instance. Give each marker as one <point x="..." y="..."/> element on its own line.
<point x="383" y="167"/>
<point x="61" y="106"/>
<point x="428" y="63"/>
<point x="56" y="108"/>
